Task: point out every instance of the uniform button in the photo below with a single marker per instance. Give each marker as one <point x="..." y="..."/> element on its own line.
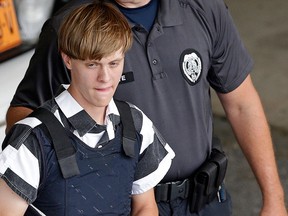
<point x="138" y="28"/>
<point x="154" y="61"/>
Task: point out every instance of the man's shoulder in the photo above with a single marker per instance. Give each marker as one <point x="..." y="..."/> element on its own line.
<point x="22" y="129"/>
<point x="137" y="115"/>
<point x="20" y="132"/>
<point x="141" y="120"/>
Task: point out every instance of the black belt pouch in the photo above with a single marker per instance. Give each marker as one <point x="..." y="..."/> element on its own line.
<point x="206" y="181"/>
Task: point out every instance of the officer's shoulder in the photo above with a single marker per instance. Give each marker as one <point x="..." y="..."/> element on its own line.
<point x="57" y="18"/>
<point x="203" y="6"/>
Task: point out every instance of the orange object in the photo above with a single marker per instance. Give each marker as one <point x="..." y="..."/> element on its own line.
<point x="9" y="30"/>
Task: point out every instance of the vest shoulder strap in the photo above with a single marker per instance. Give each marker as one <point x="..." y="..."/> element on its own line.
<point x="64" y="149"/>
<point x="129" y="131"/>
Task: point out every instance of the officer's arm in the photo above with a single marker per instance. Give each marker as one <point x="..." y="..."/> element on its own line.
<point x="45" y="73"/>
<point x="245" y="113"/>
<point x="144" y="204"/>
<point x="15" y="114"/>
<point x="10" y="203"/>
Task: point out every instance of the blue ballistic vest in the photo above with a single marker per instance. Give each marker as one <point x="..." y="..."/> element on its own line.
<point x="102" y="183"/>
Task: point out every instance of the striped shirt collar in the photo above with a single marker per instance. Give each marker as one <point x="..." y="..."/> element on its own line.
<point x="80" y="119"/>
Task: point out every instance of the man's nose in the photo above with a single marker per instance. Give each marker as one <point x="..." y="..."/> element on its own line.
<point x="104" y="74"/>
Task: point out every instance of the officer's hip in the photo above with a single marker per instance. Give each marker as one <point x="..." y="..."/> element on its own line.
<point x="203" y="187"/>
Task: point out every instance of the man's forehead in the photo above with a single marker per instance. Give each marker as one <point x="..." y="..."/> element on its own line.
<point x="117" y="55"/>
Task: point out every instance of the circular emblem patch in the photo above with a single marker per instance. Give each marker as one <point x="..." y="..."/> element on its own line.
<point x="191" y="66"/>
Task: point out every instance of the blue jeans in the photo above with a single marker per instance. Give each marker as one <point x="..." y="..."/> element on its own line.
<point x="180" y="207"/>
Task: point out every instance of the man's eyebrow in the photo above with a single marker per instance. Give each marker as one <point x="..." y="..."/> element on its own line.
<point x="117" y="59"/>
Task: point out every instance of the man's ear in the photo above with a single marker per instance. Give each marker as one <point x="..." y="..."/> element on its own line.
<point x="66" y="60"/>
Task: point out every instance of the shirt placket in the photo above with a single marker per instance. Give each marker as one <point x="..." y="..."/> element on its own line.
<point x="148" y="42"/>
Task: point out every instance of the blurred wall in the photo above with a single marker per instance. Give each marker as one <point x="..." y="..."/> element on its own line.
<point x="263" y="27"/>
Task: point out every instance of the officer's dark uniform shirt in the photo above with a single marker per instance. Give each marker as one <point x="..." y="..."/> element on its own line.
<point x="192" y="46"/>
<point x="25" y="169"/>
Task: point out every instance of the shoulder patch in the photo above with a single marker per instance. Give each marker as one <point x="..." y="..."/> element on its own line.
<point x="191" y="66"/>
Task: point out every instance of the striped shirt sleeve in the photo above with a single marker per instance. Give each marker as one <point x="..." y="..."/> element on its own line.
<point x="155" y="154"/>
<point x="19" y="160"/>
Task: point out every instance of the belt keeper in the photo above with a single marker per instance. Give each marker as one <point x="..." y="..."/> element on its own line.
<point x="161" y="192"/>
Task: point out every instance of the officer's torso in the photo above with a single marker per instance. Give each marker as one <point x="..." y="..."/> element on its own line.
<point x="156" y="63"/>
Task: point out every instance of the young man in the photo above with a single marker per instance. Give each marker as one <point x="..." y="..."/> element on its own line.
<point x="181" y="48"/>
<point x="93" y="41"/>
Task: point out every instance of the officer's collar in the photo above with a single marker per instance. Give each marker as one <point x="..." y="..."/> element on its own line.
<point x="170" y="13"/>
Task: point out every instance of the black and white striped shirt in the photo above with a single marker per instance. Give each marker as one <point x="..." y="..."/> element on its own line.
<point x="20" y="163"/>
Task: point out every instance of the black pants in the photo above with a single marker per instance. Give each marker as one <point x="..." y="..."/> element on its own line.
<point x="180" y="207"/>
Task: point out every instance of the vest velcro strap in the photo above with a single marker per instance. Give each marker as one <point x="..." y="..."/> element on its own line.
<point x="68" y="166"/>
<point x="129" y="147"/>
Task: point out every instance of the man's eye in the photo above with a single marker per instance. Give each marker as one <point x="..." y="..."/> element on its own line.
<point x="114" y="64"/>
<point x="91" y="65"/>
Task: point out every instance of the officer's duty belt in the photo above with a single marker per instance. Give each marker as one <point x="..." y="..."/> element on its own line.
<point x="201" y="188"/>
